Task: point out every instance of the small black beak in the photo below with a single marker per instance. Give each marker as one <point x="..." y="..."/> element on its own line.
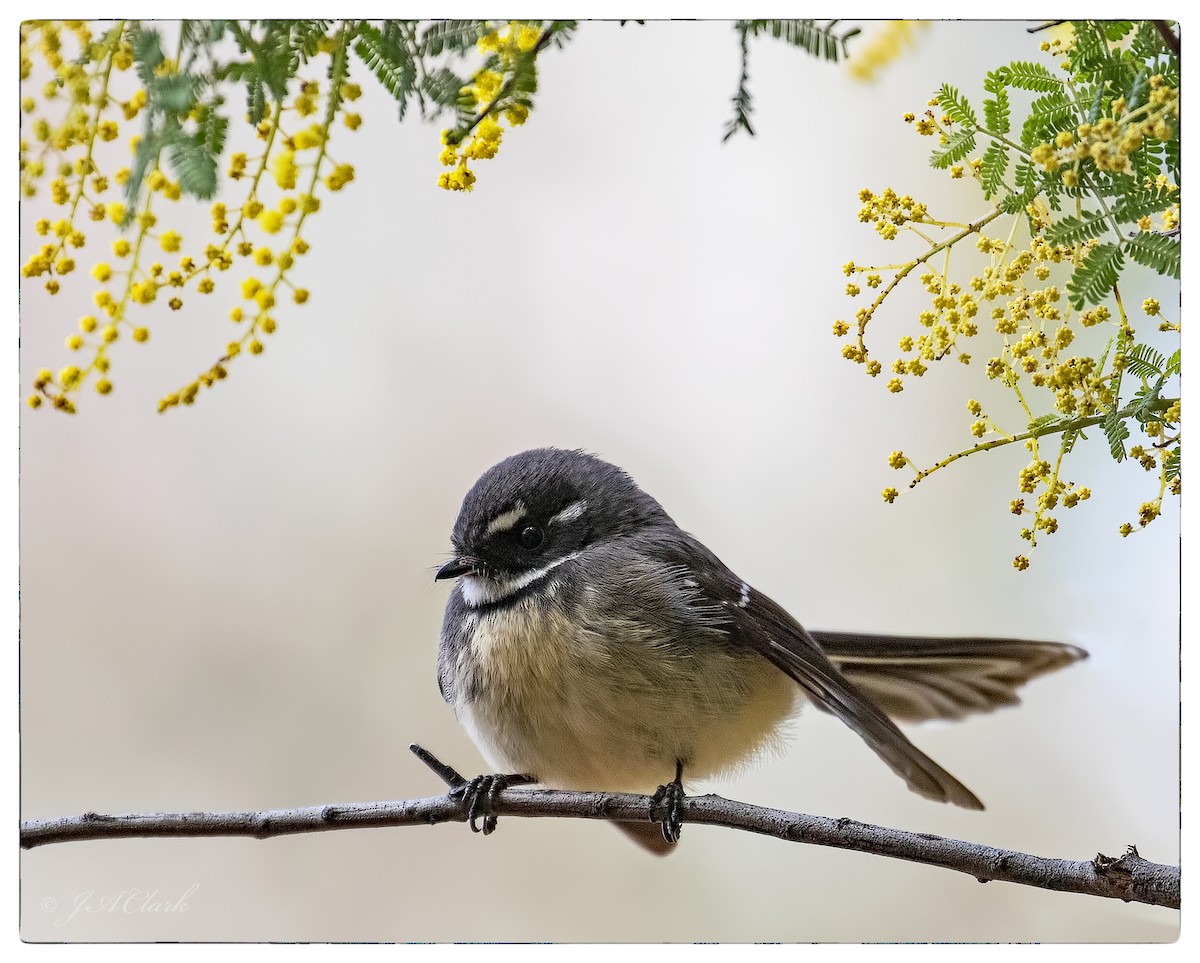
<point x="454" y="568"/>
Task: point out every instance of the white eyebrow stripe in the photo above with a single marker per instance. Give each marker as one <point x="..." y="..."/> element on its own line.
<point x="506" y="520"/>
<point x="571" y="512"/>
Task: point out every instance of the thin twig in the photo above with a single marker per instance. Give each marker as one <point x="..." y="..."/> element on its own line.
<point x="1129" y="877"/>
<point x="1168" y="35"/>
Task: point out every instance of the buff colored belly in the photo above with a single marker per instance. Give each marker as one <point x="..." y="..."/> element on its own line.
<point x="580" y="711"/>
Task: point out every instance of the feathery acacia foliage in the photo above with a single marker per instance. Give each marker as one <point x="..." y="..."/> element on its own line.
<point x="1095" y="181"/>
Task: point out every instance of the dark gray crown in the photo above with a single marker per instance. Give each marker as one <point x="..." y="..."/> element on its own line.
<point x="545" y="483"/>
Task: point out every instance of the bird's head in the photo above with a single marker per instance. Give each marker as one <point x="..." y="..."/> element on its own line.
<point x="536" y="510"/>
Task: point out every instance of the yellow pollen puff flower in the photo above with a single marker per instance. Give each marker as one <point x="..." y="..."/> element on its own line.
<point x="101" y="271"/>
<point x="255" y="347"/>
<point x="87" y="324"/>
<point x="287" y="205"/>
<point x="285" y="260"/>
<point x="252" y="209"/>
<point x="116" y="212"/>
<point x="236" y="315"/>
<point x="263" y="256"/>
<point x="250" y="287"/>
<point x="146" y="220"/>
<point x="342" y="175"/>
<point x="517" y="114"/>
<point x="300" y="295"/>
<point x="170" y="242"/>
<point x="527" y="38"/>
<point x="74" y="342"/>
<point x="34" y="401"/>
<point x="271" y="221"/>
<point x="265" y="299"/>
<point x="448" y="157"/>
<point x="1151" y="306"/>
<point x="68" y="376"/>
<point x="104" y="386"/>
<point x="489" y="129"/>
<point x="309" y="204"/>
<point x="310" y="137"/>
<point x="110" y="333"/>
<point x="144" y="292"/>
<point x="141" y="334"/>
<point x="351" y="92"/>
<point x="889" y="495"/>
<point x="352" y="121"/>
<point x="284" y="170"/>
<point x="487" y="84"/>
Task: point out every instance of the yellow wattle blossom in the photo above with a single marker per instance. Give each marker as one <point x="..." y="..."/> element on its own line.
<point x="284" y="170"/>
<point x="884" y="46"/>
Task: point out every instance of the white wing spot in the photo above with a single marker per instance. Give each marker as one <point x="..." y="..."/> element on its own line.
<point x="745" y="599"/>
<point x="506" y="520"/>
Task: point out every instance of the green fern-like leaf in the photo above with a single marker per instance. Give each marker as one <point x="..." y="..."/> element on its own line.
<point x="458" y="36"/>
<point x="1156" y="251"/>
<point x="805" y="34"/>
<point x="1117" y="433"/>
<point x="1137" y="204"/>
<point x="1171" y="468"/>
<point x="996" y="113"/>
<point x="1047" y="116"/>
<point x="1031" y="76"/>
<point x="1095" y="278"/>
<point x="1144" y="362"/>
<point x="957" y="147"/>
<point x="956" y="106"/>
<point x="388" y="58"/>
<point x="147" y="54"/>
<point x="195" y="168"/>
<point x="1174" y="364"/>
<point x="1072" y="230"/>
<point x="991" y="174"/>
<point x="442" y="86"/>
<point x="1069" y="437"/>
<point x="211" y="130"/>
<point x="173" y="93"/>
<point x="743" y="105"/>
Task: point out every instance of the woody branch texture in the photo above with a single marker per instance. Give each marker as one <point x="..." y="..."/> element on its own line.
<point x="1128" y="877"/>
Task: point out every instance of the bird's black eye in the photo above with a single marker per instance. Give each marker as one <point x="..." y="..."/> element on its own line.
<point x="532" y="536"/>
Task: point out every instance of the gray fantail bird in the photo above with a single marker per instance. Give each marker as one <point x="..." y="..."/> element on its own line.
<point x="591" y="644"/>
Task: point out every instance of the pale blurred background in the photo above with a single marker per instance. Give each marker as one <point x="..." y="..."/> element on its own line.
<point x="231" y="606"/>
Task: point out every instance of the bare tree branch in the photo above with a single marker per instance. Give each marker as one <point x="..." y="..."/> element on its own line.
<point x="1128" y="877"/>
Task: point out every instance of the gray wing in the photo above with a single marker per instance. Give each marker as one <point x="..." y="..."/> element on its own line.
<point x="755" y="621"/>
<point x="915" y="678"/>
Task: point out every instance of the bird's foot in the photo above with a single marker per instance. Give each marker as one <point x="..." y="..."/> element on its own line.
<point x="478" y="796"/>
<point x="669" y="800"/>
